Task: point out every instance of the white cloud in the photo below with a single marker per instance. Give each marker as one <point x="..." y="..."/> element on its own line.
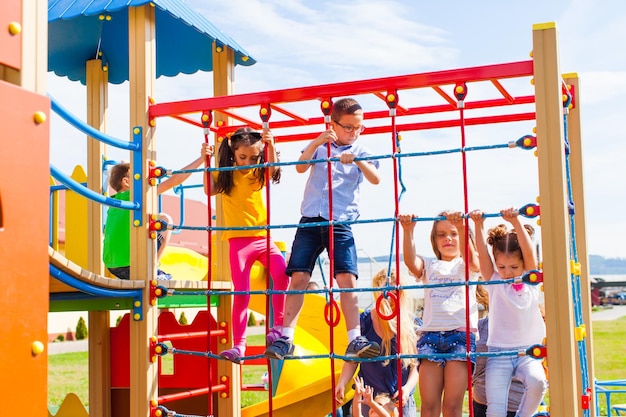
<point x="300" y="43"/>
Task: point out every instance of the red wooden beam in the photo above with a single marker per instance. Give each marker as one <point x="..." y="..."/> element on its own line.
<point x="428" y="79"/>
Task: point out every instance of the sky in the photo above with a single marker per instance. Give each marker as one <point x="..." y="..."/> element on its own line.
<point x="301" y="43"/>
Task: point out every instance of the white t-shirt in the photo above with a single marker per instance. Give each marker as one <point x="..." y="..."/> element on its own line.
<point x="444" y="307"/>
<point x="515" y="319"/>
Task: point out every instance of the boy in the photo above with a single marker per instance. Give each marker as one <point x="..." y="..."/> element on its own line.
<point x="309" y="242"/>
<point x="116" y="248"/>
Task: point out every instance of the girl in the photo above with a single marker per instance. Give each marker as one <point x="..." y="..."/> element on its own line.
<point x="382" y="376"/>
<point x="243" y="205"/>
<point x="478" y="378"/>
<point x="516" y="321"/>
<point x="444" y="329"/>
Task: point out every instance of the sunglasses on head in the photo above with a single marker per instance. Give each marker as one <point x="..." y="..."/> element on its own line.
<point x="255" y="135"/>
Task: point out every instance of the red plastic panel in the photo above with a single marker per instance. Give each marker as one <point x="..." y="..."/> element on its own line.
<point x="10" y="45"/>
<point x="24" y="199"/>
<point x="190" y="371"/>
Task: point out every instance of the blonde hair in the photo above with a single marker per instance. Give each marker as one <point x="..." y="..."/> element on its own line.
<point x="482" y="296"/>
<point x="433" y="236"/>
<point x="408" y="336"/>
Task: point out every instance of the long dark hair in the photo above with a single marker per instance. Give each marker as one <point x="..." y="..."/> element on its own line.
<point x="244" y="136"/>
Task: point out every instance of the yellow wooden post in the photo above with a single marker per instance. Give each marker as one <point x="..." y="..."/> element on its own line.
<point x="564" y="397"/>
<point x="97" y="82"/>
<point x="576" y="174"/>
<point x="223" y="76"/>
<point x="76" y="222"/>
<point x="142" y="75"/>
<point x="54" y="217"/>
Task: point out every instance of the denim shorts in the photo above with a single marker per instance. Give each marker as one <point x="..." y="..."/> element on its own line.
<point x="122" y="272"/>
<point x="309" y="243"/>
<point x="450" y="342"/>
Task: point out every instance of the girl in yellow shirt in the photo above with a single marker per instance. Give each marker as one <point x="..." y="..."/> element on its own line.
<point x="244" y="206"/>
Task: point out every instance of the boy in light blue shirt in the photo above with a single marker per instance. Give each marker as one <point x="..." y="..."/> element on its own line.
<point x="347" y="175"/>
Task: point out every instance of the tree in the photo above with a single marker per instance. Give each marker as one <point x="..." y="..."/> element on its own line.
<point x="251" y="320"/>
<point x="81" y="329"/>
<point x="183" y="319"/>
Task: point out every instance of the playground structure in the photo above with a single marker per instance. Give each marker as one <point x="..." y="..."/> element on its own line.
<point x="25" y="112"/>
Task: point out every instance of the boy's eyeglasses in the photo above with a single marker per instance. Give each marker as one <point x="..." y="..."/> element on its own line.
<point x="350" y="129"/>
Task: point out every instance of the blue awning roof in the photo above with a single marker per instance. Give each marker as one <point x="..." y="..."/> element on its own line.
<point x="79" y="29"/>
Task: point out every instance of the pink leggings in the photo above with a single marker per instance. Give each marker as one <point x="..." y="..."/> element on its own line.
<point x="244" y="251"/>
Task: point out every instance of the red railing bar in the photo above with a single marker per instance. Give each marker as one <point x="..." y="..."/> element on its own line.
<point x="294" y="116"/>
<point x="445" y="96"/>
<point x="185" y="335"/>
<point x="402" y="82"/>
<point x="189" y="393"/>
<point x="503" y="91"/>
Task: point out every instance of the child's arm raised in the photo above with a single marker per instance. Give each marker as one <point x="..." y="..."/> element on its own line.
<point x="268" y="139"/>
<point x="486" y="264"/>
<point x="359" y="390"/>
<point x="368" y="399"/>
<point x="177" y="179"/>
<point x="511" y="215"/>
<point x="412" y="261"/>
<point x="324" y="137"/>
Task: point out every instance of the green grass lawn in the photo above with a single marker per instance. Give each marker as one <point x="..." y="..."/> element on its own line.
<point x="69" y="372"/>
<point x="609" y="351"/>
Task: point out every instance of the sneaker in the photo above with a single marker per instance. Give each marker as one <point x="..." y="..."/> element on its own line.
<point x="272" y="336"/>
<point x="234" y="355"/>
<point x="362" y="348"/>
<point x="163" y="276"/>
<point x="280" y="348"/>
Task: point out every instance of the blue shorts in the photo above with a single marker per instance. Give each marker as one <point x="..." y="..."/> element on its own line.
<point x="450" y="342"/>
<point x="309" y="243"/>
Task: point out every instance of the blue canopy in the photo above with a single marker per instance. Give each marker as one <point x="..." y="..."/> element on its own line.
<point x="78" y="30"/>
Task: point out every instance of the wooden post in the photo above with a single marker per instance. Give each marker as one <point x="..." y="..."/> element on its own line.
<point x="142" y="76"/>
<point x="23" y="47"/>
<point x="223" y="76"/>
<point x="99" y="321"/>
<point x="564" y="396"/>
<point x="576" y="174"/>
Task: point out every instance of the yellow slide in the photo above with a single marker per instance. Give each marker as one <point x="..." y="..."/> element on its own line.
<point x="303" y="384"/>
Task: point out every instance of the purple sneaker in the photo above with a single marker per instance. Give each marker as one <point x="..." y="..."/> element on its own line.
<point x="234" y="355"/>
<point x="272" y="336"/>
